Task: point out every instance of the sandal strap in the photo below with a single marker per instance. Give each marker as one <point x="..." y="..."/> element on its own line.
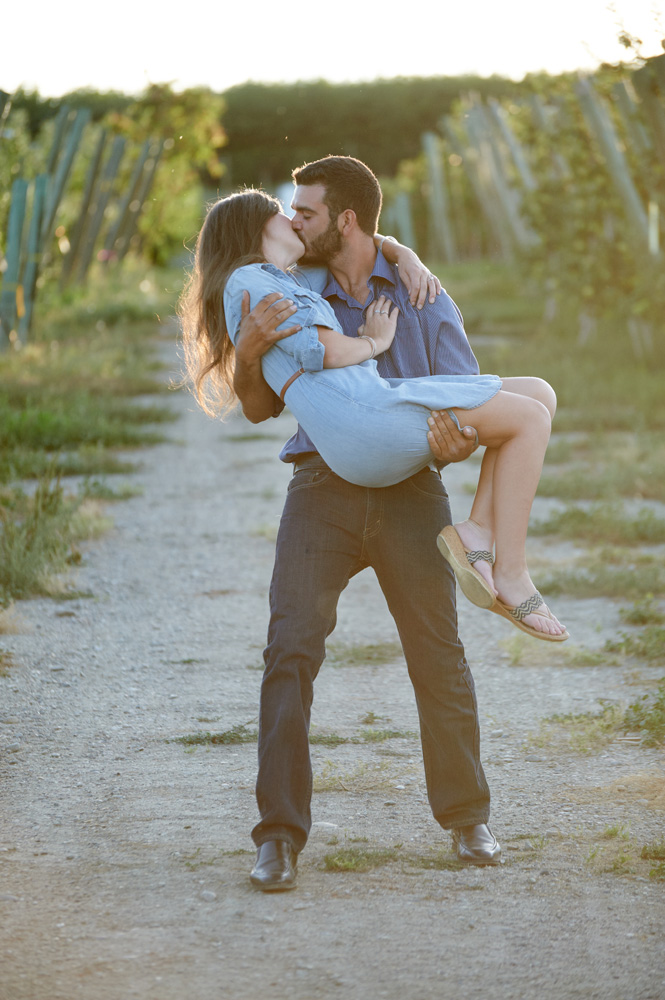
<point x="528" y="607"/>
<point x="479" y="554"/>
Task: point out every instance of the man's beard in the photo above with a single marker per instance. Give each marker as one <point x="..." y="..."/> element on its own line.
<point x="323" y="247"/>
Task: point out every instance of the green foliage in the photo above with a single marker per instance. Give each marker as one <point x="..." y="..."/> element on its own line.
<point x="273" y="128"/>
<point x="230" y="737"/>
<point x="643" y="612"/>
<point x="37" y="535"/>
<point x="62" y="399"/>
<point x="603" y="523"/>
<point x="649" y="644"/>
<point x="190" y="124"/>
<point x="647" y="715"/>
<point x="354" y="859"/>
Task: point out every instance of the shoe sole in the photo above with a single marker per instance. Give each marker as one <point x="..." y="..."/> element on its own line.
<point x="278" y="887"/>
<point x="471" y="583"/>
<point x="499" y="608"/>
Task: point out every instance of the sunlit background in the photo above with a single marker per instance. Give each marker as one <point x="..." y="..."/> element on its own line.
<point x="126" y="45"/>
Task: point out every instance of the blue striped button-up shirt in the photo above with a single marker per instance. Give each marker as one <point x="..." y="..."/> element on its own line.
<point x="430" y="341"/>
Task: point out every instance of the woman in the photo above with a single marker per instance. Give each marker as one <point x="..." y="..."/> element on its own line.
<point x="372" y="431"/>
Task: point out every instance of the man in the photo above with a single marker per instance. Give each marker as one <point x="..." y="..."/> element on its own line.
<point x="331" y="529"/>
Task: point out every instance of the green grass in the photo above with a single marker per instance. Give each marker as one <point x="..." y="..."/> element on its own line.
<point x="583" y="732"/>
<point x="649" y="644"/>
<point x="38" y="536"/>
<point x="64" y="399"/>
<point x="644" y="481"/>
<point x="601" y="574"/>
<point x="603" y="523"/>
<point x="644" y="611"/>
<point x="655" y="852"/>
<point x="366" y="736"/>
<point x="237" y="734"/>
<point x="647" y="716"/>
<point x="371" y="654"/>
<point x="6" y="661"/>
<point x="356" y="859"/>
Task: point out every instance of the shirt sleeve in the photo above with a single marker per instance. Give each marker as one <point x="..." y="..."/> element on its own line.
<point x="448" y="344"/>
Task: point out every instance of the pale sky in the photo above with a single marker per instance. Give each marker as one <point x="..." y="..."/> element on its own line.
<point x="125" y="45"/>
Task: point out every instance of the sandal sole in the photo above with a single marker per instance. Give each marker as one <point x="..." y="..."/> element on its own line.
<point x="499" y="608"/>
<point x="471" y="583"/>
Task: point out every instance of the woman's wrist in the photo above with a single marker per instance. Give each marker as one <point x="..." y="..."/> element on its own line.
<point x="372" y="344"/>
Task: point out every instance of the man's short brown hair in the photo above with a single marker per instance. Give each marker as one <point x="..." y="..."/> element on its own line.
<point x="349" y="183"/>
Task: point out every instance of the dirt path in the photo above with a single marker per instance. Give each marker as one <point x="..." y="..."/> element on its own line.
<point x="124" y="855"/>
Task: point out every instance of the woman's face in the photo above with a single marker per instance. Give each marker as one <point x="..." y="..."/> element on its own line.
<point x="281" y="245"/>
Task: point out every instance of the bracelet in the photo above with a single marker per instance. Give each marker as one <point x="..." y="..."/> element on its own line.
<point x="382" y="240"/>
<point x="372" y="343"/>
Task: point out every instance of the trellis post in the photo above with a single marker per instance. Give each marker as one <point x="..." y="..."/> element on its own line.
<point x="11" y="296"/>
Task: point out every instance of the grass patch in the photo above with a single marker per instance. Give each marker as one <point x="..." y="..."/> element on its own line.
<point x="644" y="611"/>
<point x="98" y="489"/>
<point x="609" y="573"/>
<point x="366" y="736"/>
<point x="584" y="732"/>
<point x="654" y="851"/>
<point x="328" y="739"/>
<point x="10" y="622"/>
<point x="65" y="398"/>
<point x="442" y="861"/>
<point x="256" y="436"/>
<point x="6" y="661"/>
<point x="372" y="654"/>
<point x="365" y="777"/>
<point x="522" y="652"/>
<point x="649" y="644"/>
<point x="38" y="536"/>
<point x="603" y="523"/>
<point x="357" y="859"/>
<point x="647" y="715"/>
<point x="230" y="737"/>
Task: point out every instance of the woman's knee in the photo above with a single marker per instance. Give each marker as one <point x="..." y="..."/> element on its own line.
<point x="543" y="393"/>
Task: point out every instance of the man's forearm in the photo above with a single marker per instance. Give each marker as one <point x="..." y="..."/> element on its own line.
<point x="257" y="399"/>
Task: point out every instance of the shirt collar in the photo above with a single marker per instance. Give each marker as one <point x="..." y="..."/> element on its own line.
<point x="381" y="270"/>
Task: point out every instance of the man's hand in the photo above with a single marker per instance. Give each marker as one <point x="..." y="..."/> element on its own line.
<point x="447" y="443"/>
<point x="256" y="334"/>
<point x="258" y="328"/>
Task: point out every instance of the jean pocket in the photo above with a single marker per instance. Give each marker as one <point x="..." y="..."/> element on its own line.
<point x="428" y="483"/>
<point x="307" y="478"/>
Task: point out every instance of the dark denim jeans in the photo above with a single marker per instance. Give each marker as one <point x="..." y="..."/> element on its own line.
<point x="329" y="531"/>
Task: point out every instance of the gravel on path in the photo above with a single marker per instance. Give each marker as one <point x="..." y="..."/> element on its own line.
<point x="124" y="854"/>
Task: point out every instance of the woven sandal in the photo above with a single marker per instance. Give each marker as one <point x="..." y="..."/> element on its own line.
<point x="474" y="586"/>
<point x="529" y="607"/>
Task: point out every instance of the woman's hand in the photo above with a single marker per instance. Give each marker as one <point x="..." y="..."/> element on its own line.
<point x="380" y="323"/>
<point x="421" y="284"/>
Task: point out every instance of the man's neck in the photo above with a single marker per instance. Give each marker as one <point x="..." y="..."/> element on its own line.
<point x="353" y="266"/>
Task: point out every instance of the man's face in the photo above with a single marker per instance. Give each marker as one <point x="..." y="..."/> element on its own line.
<point x="313" y="224"/>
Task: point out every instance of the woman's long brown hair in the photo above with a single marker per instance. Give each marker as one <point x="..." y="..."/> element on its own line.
<point x="230" y="237"/>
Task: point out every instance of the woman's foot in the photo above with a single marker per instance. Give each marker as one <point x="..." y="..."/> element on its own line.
<point x="519" y="599"/>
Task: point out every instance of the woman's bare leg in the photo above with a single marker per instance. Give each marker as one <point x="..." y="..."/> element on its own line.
<point x="477" y="532"/>
<point x="515" y="427"/>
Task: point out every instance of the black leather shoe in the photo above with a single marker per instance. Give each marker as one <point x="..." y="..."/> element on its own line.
<point x="275" y="868"/>
<point x="476" y="845"/>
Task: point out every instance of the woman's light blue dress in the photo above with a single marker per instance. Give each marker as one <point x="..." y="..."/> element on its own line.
<point x="371" y="431"/>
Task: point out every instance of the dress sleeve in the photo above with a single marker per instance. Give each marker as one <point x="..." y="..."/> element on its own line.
<point x="314" y="278"/>
<point x="311" y="311"/>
